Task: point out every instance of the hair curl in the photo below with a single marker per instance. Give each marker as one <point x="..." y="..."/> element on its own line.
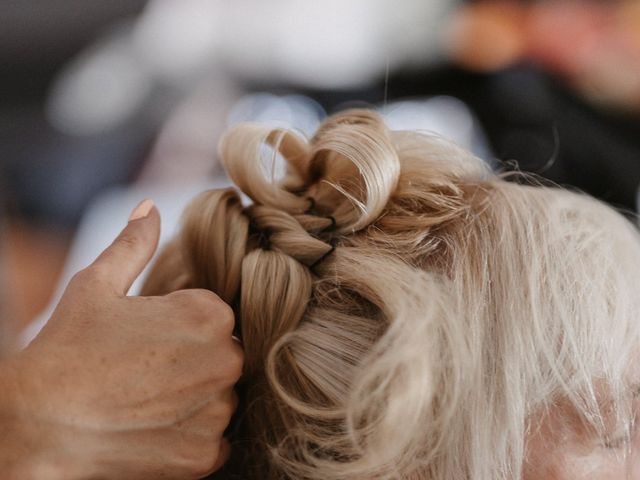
<point x="404" y="311"/>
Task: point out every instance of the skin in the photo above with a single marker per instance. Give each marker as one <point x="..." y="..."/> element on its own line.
<point x="122" y="387"/>
<point x="562" y="447"/>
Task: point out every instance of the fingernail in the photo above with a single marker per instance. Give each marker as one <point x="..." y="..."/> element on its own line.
<point x="142" y="210"/>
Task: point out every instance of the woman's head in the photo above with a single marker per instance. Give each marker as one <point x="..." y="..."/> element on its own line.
<point x="406" y="313"/>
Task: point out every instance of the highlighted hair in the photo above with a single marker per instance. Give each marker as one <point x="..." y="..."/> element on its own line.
<point x="404" y="311"/>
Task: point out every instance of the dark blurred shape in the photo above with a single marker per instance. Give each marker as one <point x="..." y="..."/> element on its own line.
<point x="39" y="164"/>
<point x="533" y="121"/>
<point x="37" y="37"/>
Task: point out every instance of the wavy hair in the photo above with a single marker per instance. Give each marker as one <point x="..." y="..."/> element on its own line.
<point x="404" y="311"/>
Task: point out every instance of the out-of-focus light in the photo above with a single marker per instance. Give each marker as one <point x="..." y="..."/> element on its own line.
<point x="443" y="115"/>
<point x="99" y="90"/>
<point x="179" y="39"/>
<point x="320" y="45"/>
<point x="486" y="37"/>
<point x="330" y="44"/>
<point x="297" y="112"/>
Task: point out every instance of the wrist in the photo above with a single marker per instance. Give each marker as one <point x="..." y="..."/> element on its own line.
<point x="15" y="444"/>
<point x="27" y="445"/>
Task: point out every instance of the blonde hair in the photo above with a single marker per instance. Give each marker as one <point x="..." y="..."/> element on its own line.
<point x="405" y="311"/>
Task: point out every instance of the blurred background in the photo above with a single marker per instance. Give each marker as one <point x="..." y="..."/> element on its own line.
<point x="105" y="103"/>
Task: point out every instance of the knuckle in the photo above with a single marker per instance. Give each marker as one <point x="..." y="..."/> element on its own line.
<point x="128" y="241"/>
<point x="86" y="277"/>
<point x="216" y="313"/>
<point x="208" y="299"/>
<point x="227" y="410"/>
<point x="205" y="461"/>
<point x="206" y="312"/>
<point x="224" y="317"/>
<point x="221" y="411"/>
<point x="81" y="277"/>
<point x="194" y="297"/>
<point x="98" y="271"/>
<point x="229" y="370"/>
<point x="186" y="302"/>
<point x="233" y="402"/>
<point x="236" y="362"/>
<point x="179" y="297"/>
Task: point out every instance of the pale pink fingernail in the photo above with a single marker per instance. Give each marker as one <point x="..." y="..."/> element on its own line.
<point x="142" y="210"/>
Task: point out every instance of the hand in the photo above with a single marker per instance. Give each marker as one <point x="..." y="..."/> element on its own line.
<point x="129" y="387"/>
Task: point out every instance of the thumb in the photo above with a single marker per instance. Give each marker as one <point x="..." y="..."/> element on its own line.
<point x="121" y="263"/>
